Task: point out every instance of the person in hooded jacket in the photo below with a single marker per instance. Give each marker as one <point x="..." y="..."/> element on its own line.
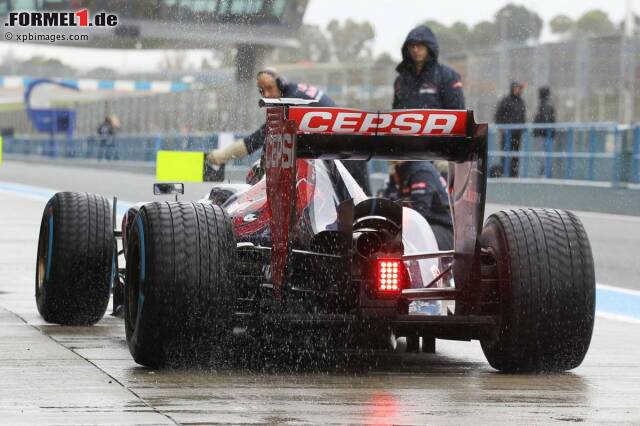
<point x="546" y="114"/>
<point x="272" y="85"/>
<point x="511" y="110"/>
<point x="107" y="135"/>
<point x="424" y="83"/>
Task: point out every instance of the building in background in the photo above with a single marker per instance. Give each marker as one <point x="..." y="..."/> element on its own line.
<point x="252" y="27"/>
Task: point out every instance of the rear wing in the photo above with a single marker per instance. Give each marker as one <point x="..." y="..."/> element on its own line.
<point x="341" y="133"/>
<point x="296" y="130"/>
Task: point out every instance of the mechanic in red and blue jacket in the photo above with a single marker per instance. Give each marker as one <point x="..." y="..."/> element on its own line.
<point x="419" y="185"/>
<point x="424" y="83"/>
<point x="273" y="85"/>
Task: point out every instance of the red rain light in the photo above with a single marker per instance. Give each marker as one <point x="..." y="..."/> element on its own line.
<point x="389" y="275"/>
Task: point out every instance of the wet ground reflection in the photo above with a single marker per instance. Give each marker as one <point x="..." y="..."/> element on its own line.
<point x="391" y="388"/>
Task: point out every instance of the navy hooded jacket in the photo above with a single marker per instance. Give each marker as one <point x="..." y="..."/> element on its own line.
<point x="437" y="86"/>
<point x="420" y="185"/>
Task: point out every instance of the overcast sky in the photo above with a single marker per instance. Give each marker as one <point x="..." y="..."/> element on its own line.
<point x="392" y="20"/>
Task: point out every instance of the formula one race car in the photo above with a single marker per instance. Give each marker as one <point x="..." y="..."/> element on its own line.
<point x="303" y="256"/>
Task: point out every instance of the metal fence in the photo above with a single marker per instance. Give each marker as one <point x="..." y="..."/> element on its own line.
<point x="595" y="153"/>
<point x="123" y="148"/>
<point x="214" y="109"/>
<point x="591" y="152"/>
<point x="592" y="79"/>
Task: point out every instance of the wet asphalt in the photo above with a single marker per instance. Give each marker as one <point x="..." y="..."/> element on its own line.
<point x="84" y="375"/>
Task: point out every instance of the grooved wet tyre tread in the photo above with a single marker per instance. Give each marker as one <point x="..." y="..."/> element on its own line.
<point x="76" y="290"/>
<point x="179" y="283"/>
<point x="547" y="290"/>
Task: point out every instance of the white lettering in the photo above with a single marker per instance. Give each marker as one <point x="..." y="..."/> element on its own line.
<point x="305" y="123"/>
<point x="446" y="127"/>
<point x="375" y="121"/>
<point x="287" y="151"/>
<point x="276" y="146"/>
<point x="280" y="151"/>
<point x="342" y="121"/>
<point x="407" y="127"/>
<point x="409" y="123"/>
<point x="250" y="217"/>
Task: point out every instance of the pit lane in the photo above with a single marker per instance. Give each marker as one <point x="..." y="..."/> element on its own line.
<point x="85" y="375"/>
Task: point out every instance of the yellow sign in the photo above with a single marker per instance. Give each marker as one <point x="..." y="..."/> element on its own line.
<point x="180" y="166"/>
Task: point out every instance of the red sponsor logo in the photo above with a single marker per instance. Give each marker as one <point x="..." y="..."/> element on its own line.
<point x="310" y="91"/>
<point x="397" y="122"/>
<point x="471" y="196"/>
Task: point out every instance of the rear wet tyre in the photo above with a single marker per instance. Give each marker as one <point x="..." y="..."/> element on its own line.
<point x="546" y="287"/>
<point x="74" y="268"/>
<point x="179" y="293"/>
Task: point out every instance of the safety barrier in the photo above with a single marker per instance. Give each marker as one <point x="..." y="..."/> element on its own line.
<point x="562" y="151"/>
<point x="131" y="148"/>
<point x="635" y="156"/>
<point x="597" y="153"/>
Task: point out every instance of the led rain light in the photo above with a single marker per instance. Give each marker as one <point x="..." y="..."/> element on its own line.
<point x="389" y="276"/>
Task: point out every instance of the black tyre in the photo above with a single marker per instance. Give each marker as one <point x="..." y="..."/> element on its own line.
<point x="74" y="269"/>
<point x="546" y="285"/>
<point x="179" y="296"/>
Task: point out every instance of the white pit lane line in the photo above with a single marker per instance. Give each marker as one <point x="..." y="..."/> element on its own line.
<point x="614" y="303"/>
<point x="44" y="194"/>
<point x="617" y="303"/>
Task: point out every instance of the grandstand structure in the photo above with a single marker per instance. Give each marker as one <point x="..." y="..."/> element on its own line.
<point x="182" y="23"/>
<point x="249" y="25"/>
<point x="252" y="27"/>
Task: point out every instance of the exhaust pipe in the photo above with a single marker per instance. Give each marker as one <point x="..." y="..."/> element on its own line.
<point x="367" y="243"/>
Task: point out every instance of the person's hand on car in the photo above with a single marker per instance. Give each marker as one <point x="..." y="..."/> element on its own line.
<point x="233" y="151"/>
